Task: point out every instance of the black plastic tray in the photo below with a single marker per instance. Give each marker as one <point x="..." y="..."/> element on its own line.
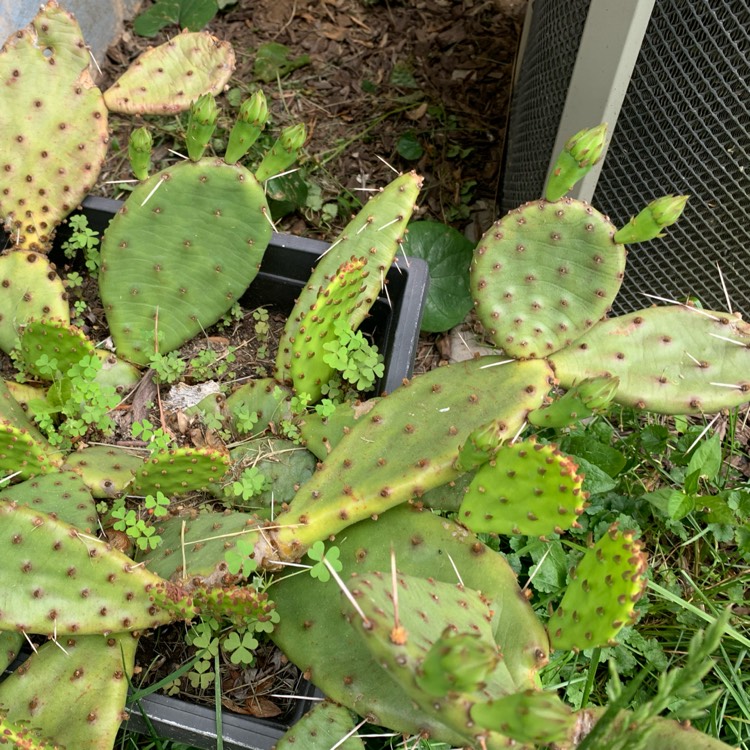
<point x="393" y="324"/>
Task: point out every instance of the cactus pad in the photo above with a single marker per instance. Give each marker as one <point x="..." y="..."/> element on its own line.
<point x="181" y="251"/>
<point x="62" y="581"/>
<point x="530" y="269"/>
<point x="527" y="488"/>
<point x="599" y="601"/>
<point x="180" y="471"/>
<point x="105" y="469"/>
<point x="55" y="118"/>
<point x="671" y="359"/>
<point x="168" y="78"/>
<point x="58" y="340"/>
<point x="23" y="453"/>
<point x="322" y="728"/>
<point x="61" y="494"/>
<point x="73" y="691"/>
<point x="30" y="289"/>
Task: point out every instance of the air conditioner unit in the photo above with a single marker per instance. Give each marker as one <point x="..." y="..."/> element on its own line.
<point x="672" y="79"/>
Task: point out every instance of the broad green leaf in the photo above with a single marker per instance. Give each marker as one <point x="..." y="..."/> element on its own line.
<point x="274" y="60"/>
<point x="153" y="20"/>
<point x="195" y="14"/>
<point x="409" y="147"/>
<point x="448" y="255"/>
<point x="706" y="458"/>
<point x="679" y="505"/>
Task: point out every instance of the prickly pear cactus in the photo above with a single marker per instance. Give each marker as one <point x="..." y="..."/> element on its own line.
<point x="672" y="359"/>
<point x="73" y="690"/>
<point x="61" y="494"/>
<point x="56" y="341"/>
<point x="31" y="289"/>
<point x="374" y="234"/>
<point x="322" y="728"/>
<point x="428" y="419"/>
<point x="181" y="251"/>
<point x="105" y="469"/>
<point x="168" y="78"/>
<point x="180" y="471"/>
<point x="527" y="488"/>
<point x="600" y="599"/>
<point x="23" y="454"/>
<point x="55" y="118"/>
<point x="544" y="274"/>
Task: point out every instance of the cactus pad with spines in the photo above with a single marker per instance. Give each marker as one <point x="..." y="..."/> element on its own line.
<point x="672" y="359"/>
<point x="429" y="420"/>
<point x="322" y="728"/>
<point x="193" y="546"/>
<point x="309" y="371"/>
<point x="544" y="274"/>
<point x="311" y="628"/>
<point x="61" y="494"/>
<point x="176" y="259"/>
<point x="60" y="580"/>
<point x="264" y="397"/>
<point x="30" y="289"/>
<point x="166" y="79"/>
<point x="66" y="344"/>
<point x="322" y="434"/>
<point x="10" y="645"/>
<point x="607" y="582"/>
<point x="579" y="402"/>
<point x="180" y="471"/>
<point x="24" y="454"/>
<point x="527" y="488"/>
<point x="105" y="469"/>
<point x="55" y="126"/>
<point x="404" y="618"/>
<point x="531" y="716"/>
<point x="73" y="691"/>
<point x="374" y="233"/>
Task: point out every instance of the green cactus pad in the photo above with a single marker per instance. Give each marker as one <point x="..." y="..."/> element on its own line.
<point x="168" y="78"/>
<point x="24" y="454"/>
<point x="671" y="359"/>
<point x="528" y="488"/>
<point x="403" y="620"/>
<point x="322" y="434"/>
<point x="56" y="339"/>
<point x="374" y="234"/>
<point x="531" y="717"/>
<point x="31" y="398"/>
<point x="265" y="397"/>
<point x="311" y="628"/>
<point x="309" y="371"/>
<point x="322" y="728"/>
<point x="30" y="289"/>
<point x="429" y="420"/>
<point x="54" y="122"/>
<point x="10" y="645"/>
<point x="22" y="736"/>
<point x="73" y="691"/>
<point x="105" y="469"/>
<point x="600" y="599"/>
<point x="62" y="494"/>
<point x="285" y="465"/>
<point x="116" y="373"/>
<point x="179" y="471"/>
<point x="530" y="267"/>
<point x="60" y="580"/>
<point x="181" y="251"/>
<point x="581" y="401"/>
<point x="193" y="546"/>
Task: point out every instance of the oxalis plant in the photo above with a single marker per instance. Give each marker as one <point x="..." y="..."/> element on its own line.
<point x="440" y="640"/>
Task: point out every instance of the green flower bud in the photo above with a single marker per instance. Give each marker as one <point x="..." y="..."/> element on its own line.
<point x="293" y="137"/>
<point x="255" y="109"/>
<point x="580" y="154"/>
<point x="139" y="152"/>
<point x="201" y="125"/>
<point x="204" y="110"/>
<point x="660" y="213"/>
<point x="596" y="393"/>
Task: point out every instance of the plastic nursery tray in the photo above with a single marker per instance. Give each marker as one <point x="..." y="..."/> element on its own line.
<point x="394" y="326"/>
<point x="394" y="319"/>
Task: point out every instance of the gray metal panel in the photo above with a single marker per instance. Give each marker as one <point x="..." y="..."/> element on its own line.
<point x="684" y="128"/>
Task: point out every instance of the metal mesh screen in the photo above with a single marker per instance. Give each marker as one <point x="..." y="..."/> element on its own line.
<point x="685" y="128"/>
<point x="539" y="96"/>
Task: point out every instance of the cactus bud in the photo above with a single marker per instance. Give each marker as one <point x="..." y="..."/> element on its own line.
<point x="250" y="123"/>
<point x="660" y="213"/>
<point x="283" y="153"/>
<point x="139" y="152"/>
<point x="581" y="152"/>
<point x="201" y="125"/>
<point x="293" y="137"/>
